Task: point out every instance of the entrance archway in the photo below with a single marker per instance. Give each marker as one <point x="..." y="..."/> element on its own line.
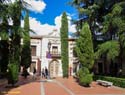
<point x="54" y="68"/>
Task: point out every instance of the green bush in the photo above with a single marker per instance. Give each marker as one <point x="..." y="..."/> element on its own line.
<point x="84" y="77"/>
<point x="116" y="81"/>
<point x="12" y="73"/>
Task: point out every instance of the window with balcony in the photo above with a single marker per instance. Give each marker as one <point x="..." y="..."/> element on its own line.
<point x="33" y="50"/>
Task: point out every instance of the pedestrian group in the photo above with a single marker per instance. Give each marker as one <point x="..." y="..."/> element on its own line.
<point x="45" y="73"/>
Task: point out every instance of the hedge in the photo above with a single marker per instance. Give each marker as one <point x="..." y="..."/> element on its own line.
<point x="120" y="82"/>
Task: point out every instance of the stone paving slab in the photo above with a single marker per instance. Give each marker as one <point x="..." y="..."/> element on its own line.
<point x="52" y="88"/>
<point x="58" y="86"/>
<point x="95" y="89"/>
<point x="100" y="94"/>
<point x="30" y="89"/>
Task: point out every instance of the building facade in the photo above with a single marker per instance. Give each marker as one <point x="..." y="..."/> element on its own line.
<point x="51" y="54"/>
<point x="46" y="53"/>
<point x="36" y="47"/>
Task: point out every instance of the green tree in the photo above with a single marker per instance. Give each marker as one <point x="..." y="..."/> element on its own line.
<point x="94" y="9"/>
<point x="110" y="49"/>
<point x="4" y="37"/>
<point x="13" y="12"/>
<point x="114" y="23"/>
<point x="4" y="51"/>
<point x="4" y="46"/>
<point x="14" y="55"/>
<point x="85" y="54"/>
<point x="64" y="44"/>
<point x="107" y="16"/>
<point x="26" y="51"/>
<point x="93" y="12"/>
<point x="13" y="32"/>
<point x="110" y="52"/>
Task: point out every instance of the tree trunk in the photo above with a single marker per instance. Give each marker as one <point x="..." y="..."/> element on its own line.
<point x="123" y="65"/>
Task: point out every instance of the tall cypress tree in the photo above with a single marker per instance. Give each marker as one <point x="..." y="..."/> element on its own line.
<point x="15" y="36"/>
<point x="26" y="50"/>
<point x="85" y="54"/>
<point x="64" y="44"/>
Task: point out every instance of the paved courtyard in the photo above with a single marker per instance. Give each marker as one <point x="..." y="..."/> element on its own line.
<point x="58" y="86"/>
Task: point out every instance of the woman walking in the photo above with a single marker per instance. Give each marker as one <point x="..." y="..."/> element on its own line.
<point x="34" y="73"/>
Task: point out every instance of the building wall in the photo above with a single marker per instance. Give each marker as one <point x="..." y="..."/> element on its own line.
<point x="71" y="43"/>
<point x="38" y="44"/>
<point x="36" y="41"/>
<point x="52" y="63"/>
<point x="55" y="41"/>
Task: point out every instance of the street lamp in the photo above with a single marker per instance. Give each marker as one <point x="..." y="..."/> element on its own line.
<point x="49" y="46"/>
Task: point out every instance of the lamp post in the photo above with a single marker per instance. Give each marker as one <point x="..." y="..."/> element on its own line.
<point x="49" y="46"/>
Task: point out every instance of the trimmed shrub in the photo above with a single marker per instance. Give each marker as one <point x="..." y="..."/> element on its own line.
<point x="120" y="82"/>
<point x="12" y="74"/>
<point x="84" y="77"/>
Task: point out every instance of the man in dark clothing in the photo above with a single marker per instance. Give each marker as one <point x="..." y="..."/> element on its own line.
<point x="25" y="72"/>
<point x="46" y="72"/>
<point x="43" y="73"/>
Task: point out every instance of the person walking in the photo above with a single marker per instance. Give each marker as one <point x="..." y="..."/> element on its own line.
<point x="46" y="72"/>
<point x="25" y="72"/>
<point x="43" y="73"/>
<point x="34" y="73"/>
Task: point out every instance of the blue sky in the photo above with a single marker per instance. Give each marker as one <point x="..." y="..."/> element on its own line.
<point x="45" y="15"/>
<point x="54" y="8"/>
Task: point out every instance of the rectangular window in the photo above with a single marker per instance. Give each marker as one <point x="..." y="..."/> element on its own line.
<point x="33" y="50"/>
<point x="54" y="50"/>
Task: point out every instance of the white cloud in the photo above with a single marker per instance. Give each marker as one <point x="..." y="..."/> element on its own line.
<point x="58" y="22"/>
<point x="70" y="26"/>
<point x="44" y="29"/>
<point x="35" y="5"/>
<point x="39" y="28"/>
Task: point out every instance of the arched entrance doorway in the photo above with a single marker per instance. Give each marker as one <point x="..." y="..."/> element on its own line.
<point x="54" y="68"/>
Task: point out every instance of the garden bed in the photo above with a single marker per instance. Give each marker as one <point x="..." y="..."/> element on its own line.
<point x="120" y="82"/>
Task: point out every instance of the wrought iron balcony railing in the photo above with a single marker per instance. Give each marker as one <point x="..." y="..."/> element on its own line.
<point x="52" y="54"/>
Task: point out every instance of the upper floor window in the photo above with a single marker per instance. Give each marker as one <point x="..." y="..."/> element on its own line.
<point x="33" y="50"/>
<point x="54" y="49"/>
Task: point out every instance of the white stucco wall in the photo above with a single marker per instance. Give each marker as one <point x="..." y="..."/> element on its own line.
<point x="55" y="41"/>
<point x="44" y="62"/>
<point x="41" y="44"/>
<point x="36" y="41"/>
<point x="71" y="57"/>
<point x="38" y="44"/>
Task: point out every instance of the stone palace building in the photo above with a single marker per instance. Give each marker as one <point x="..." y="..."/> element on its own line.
<point x="46" y="52"/>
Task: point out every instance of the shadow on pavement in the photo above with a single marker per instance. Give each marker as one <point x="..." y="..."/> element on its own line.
<point x="6" y="89"/>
